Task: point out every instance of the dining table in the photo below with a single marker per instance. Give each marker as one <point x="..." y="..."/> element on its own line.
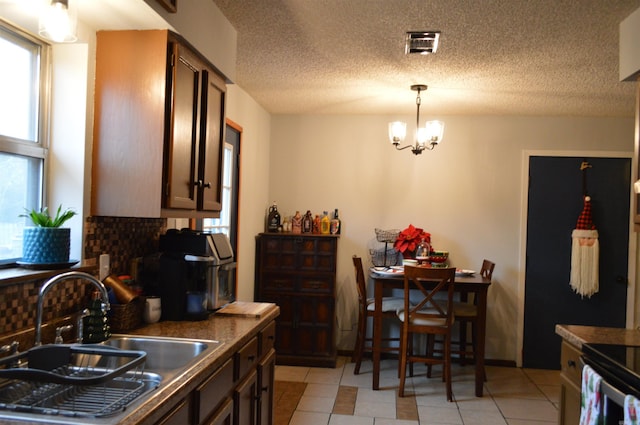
<point x="468" y="283"/>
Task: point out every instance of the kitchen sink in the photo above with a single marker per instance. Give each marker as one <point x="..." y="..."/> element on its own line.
<point x="165" y="356"/>
<point x="165" y="359"/>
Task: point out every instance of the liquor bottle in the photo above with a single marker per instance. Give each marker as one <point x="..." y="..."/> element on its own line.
<point x="316" y="224"/>
<point x="325" y="223"/>
<point x="286" y="224"/>
<point x="296" y="223"/>
<point x="335" y="223"/>
<point x="307" y="222"/>
<point x="273" y="219"/>
<point x="95" y="325"/>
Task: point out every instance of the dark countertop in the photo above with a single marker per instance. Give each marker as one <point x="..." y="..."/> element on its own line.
<point x="578" y="335"/>
<point x="233" y="331"/>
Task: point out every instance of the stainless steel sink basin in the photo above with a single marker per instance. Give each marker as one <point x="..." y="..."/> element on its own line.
<point x="166" y="359"/>
<point x="165" y="356"/>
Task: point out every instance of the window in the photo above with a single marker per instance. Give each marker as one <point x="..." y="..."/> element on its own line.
<point x="228" y="221"/>
<point x="223" y="224"/>
<point x="23" y="129"/>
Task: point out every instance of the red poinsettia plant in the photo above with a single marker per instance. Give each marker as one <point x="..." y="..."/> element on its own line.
<point x="410" y="238"/>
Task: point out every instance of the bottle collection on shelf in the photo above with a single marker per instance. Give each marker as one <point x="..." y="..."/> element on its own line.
<point x="306" y="223"/>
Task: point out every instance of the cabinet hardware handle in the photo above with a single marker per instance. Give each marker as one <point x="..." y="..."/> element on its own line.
<point x="207" y="185"/>
<point x="271" y="337"/>
<point x="571" y="363"/>
<point x="265" y="389"/>
<point x="251" y="358"/>
<point x="197" y="183"/>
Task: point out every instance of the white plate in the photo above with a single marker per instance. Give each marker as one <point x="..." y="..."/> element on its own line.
<point x="388" y="271"/>
<point x="462" y="272"/>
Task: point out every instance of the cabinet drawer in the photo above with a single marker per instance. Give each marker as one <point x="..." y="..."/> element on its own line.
<point x="317" y="283"/>
<point x="278" y="282"/>
<point x="246" y="358"/>
<point x="214" y="390"/>
<point x="267" y="338"/>
<point x="570" y="363"/>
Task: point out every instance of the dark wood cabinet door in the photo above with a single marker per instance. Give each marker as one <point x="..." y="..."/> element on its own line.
<point x="223" y="416"/>
<point x="244" y="409"/>
<point x="211" y="147"/>
<point x="314" y="326"/>
<point x="181" y="153"/>
<point x="266" y="374"/>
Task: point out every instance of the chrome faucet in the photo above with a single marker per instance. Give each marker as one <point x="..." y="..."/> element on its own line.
<point x="60" y="278"/>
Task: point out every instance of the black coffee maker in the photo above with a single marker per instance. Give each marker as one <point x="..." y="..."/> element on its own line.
<point x="183" y="283"/>
<point x="190" y="270"/>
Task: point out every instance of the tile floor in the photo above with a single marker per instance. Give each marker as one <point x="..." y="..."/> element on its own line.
<point x="321" y="396"/>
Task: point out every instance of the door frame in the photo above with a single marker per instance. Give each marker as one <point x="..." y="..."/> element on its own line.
<point x="524" y="208"/>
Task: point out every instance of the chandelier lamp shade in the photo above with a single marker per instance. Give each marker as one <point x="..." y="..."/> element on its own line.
<point x="58" y="21"/>
<point x="426" y="138"/>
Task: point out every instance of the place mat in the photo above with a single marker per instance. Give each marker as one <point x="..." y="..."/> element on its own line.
<point x="244" y="309"/>
<point x="389" y="271"/>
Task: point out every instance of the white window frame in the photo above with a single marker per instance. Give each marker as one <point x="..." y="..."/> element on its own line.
<point x="223" y="224"/>
<point x="37" y="148"/>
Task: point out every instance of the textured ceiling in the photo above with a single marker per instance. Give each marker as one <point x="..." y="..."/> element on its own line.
<point x="497" y="57"/>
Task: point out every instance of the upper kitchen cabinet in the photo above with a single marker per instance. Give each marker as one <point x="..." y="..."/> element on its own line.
<point x="158" y="130"/>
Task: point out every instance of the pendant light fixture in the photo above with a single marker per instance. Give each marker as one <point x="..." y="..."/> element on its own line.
<point x="58" y="21"/>
<point x="426" y="137"/>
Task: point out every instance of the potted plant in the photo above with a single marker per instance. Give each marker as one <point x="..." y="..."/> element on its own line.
<point x="46" y="242"/>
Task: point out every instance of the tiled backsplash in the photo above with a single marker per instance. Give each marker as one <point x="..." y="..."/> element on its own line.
<point x="122" y="238"/>
<point x="18" y="304"/>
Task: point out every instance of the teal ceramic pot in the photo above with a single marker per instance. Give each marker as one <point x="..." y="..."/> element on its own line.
<point x="46" y="245"/>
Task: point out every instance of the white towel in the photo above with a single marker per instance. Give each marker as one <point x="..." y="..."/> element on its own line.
<point x="631" y="409"/>
<point x="591" y="411"/>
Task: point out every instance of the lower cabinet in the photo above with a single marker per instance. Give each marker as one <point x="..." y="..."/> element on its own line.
<point x="570" y="384"/>
<point x="244" y="400"/>
<point x="223" y="416"/>
<point x="240" y="392"/>
<point x="266" y="373"/>
<point x="179" y="415"/>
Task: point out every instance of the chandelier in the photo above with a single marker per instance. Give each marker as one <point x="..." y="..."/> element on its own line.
<point x="426" y="137"/>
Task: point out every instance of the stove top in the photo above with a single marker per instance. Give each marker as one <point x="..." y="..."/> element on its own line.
<point x="617" y="364"/>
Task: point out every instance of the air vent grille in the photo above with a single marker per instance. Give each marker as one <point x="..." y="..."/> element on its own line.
<point x="422" y="42"/>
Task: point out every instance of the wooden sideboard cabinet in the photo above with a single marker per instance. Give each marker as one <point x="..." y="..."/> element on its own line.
<point x="298" y="273"/>
<point x="158" y="127"/>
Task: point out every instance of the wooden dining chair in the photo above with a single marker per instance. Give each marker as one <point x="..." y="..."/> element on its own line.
<point x="432" y="314"/>
<point x="466" y="313"/>
<point x="365" y="310"/>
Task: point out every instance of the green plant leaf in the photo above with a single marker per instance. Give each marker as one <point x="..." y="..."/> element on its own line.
<point x="42" y="218"/>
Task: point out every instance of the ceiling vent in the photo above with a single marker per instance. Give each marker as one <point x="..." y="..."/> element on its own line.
<point x="422" y="42"/>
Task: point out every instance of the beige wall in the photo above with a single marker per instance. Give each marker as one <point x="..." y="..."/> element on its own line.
<point x="466" y="193"/>
<point x="254" y="180"/>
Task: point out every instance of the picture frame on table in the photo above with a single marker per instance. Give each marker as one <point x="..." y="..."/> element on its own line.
<point x="170" y="5"/>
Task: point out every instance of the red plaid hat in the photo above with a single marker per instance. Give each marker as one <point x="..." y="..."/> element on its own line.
<point x="584" y="221"/>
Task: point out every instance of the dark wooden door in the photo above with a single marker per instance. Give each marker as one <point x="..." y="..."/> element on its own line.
<point x="554" y="204"/>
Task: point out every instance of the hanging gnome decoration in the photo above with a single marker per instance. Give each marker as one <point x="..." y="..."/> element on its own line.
<point x="585" y="254"/>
